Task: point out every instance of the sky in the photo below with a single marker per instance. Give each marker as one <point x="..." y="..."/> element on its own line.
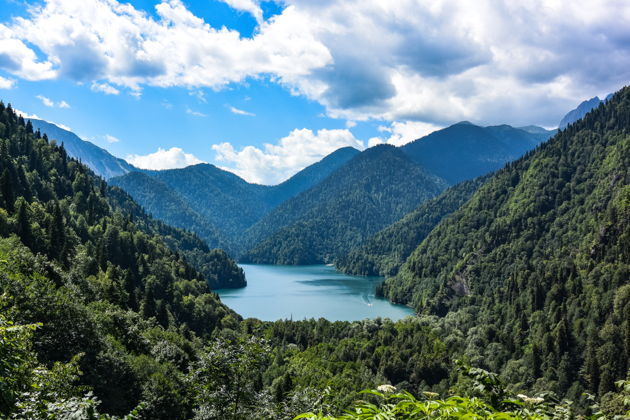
<point x="265" y="88"/>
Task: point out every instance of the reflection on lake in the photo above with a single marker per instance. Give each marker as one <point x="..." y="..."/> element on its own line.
<point x="316" y="291"/>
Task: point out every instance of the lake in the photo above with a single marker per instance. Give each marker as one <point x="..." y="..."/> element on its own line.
<point x="300" y="292"/>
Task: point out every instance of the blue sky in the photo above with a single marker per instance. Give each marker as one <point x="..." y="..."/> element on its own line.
<point x="266" y="88"/>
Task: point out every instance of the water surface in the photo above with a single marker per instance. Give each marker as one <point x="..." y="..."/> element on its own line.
<point x="315" y="291"/>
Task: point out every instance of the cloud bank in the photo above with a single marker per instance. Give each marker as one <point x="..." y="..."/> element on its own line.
<point x="164" y="159"/>
<point x="275" y="163"/>
<point x="435" y="62"/>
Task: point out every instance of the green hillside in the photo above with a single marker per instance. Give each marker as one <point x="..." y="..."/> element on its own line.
<point x="374" y="189"/>
<point x="385" y="252"/>
<point x="216" y="204"/>
<point x="541" y="254"/>
<point x="84" y="260"/>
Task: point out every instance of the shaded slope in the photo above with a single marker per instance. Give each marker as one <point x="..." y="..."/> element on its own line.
<point x="311" y="175"/>
<point x="86" y="262"/>
<point x="372" y="190"/>
<point x="578" y="113"/>
<point x="541" y="255"/>
<point x="216" y="204"/>
<point x="99" y="160"/>
<point x="165" y="204"/>
<point x="465" y="151"/>
<point x="385" y="252"/>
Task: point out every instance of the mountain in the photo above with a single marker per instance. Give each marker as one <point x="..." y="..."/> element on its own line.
<point x="465" y="151"/>
<point x="120" y="312"/>
<point x="216" y="204"/>
<point x="581" y="110"/>
<point x="371" y="191"/>
<point x="311" y="175"/>
<point x="539" y="260"/>
<point x="99" y="160"/>
<point x="385" y="252"/>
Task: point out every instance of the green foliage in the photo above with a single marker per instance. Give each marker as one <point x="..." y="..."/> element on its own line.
<point x="482" y="402"/>
<point x="102" y="278"/>
<point x="540" y="253"/>
<point x="385" y="252"/>
<point x="227" y="379"/>
<point x="373" y="190"/>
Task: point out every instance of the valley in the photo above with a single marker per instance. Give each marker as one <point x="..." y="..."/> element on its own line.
<point x="504" y="256"/>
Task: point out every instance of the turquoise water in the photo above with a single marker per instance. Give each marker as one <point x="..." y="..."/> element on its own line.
<point x="316" y="291"/>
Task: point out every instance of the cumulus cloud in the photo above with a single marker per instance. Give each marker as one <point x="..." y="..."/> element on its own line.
<point x="111" y="139"/>
<point x="402" y="132"/>
<point x="237" y="111"/>
<point x="28" y="116"/>
<point x="105" y="88"/>
<point x="47" y="102"/>
<point x="248" y="6"/>
<point x="164" y="159"/>
<point x="51" y="104"/>
<point x="436" y="62"/>
<point x="275" y="163"/>
<point x="6" y="83"/>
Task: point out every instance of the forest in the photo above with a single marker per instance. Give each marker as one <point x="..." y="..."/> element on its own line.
<point x="520" y="283"/>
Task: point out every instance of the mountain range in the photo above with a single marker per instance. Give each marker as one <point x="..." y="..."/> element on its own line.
<point x="253" y="222"/>
<point x="522" y="272"/>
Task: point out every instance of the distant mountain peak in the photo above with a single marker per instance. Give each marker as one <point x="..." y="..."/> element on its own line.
<point x="582" y="109"/>
<point x="99" y="160"/>
<point x="464" y="123"/>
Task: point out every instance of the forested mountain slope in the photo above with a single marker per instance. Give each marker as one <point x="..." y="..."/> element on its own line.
<point x="465" y="151"/>
<point x="386" y="251"/>
<point x="371" y="191"/>
<point x="86" y="262"/>
<point x="99" y="160"/>
<point x="165" y="204"/>
<point x="542" y="253"/>
<point x="216" y="204"/>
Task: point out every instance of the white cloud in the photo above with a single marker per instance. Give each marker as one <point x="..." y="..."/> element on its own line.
<point x="436" y="62"/>
<point x="276" y="162"/>
<point x="51" y="104"/>
<point x="65" y="127"/>
<point x="195" y="113"/>
<point x="6" y="83"/>
<point x="164" y="159"/>
<point x="47" y="102"/>
<point x="111" y="139"/>
<point x="240" y="111"/>
<point x="27" y="116"/>
<point x="248" y="6"/>
<point x="105" y="88"/>
<point x="403" y="132"/>
<point x="19" y="59"/>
